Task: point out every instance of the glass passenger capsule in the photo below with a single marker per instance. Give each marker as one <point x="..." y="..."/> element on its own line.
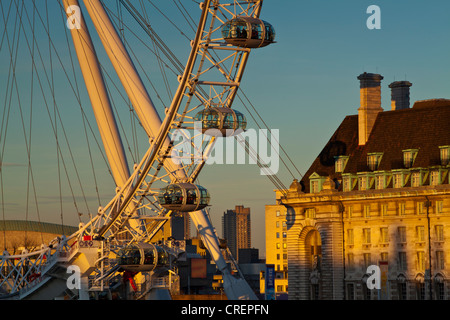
<point x="248" y="32"/>
<point x="225" y="120"/>
<point x="183" y="197"/>
<point x="143" y="257"/>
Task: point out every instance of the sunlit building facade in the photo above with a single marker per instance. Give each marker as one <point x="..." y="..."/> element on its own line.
<point x="276" y="247"/>
<point x="377" y="194"/>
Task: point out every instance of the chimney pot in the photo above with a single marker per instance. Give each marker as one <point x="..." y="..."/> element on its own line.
<point x="370" y="104"/>
<point x="400" y="95"/>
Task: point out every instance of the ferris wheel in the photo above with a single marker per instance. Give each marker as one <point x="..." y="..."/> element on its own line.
<point x="163" y="182"/>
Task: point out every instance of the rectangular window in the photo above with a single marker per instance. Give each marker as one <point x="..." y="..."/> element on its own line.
<point x="416" y="179"/>
<point x="362" y="183"/>
<point x="402" y="291"/>
<point x="339" y="165"/>
<point x="384" y="235"/>
<point x="315" y="186"/>
<point x="420" y="260"/>
<point x="384" y="256"/>
<point x="402" y="263"/>
<point x="408" y="157"/>
<point x="398" y="180"/>
<point x="373" y="160"/>
<point x="440" y="293"/>
<point x="402" y="234"/>
<point x="366" y="211"/>
<point x="439" y="233"/>
<point x="384" y="210"/>
<point x="380" y="182"/>
<point x="420" y="233"/>
<point x="435" y="178"/>
<point x="401" y="209"/>
<point x="440" y="260"/>
<point x="445" y="155"/>
<point x="420" y="207"/>
<point x="347" y="182"/>
<point x="349" y="211"/>
<point x="439" y="206"/>
<point x="310" y="213"/>
<point x="366" y="236"/>
<point x="350" y="239"/>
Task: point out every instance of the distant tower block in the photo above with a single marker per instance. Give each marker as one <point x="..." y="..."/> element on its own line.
<point x="370" y="104"/>
<point x="400" y="95"/>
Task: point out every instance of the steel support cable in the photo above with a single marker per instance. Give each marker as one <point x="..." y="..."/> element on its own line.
<point x="3" y="125"/>
<point x="173" y="23"/>
<point x="259" y="116"/>
<point x="191" y="22"/>
<point x="145" y="25"/>
<point x="54" y="112"/>
<point x="161" y="44"/>
<point x="45" y="100"/>
<point x="282" y="160"/>
<point x="272" y="177"/>
<point x="248" y="100"/>
<point x="256" y="122"/>
<point x="13" y="64"/>
<point x="54" y="127"/>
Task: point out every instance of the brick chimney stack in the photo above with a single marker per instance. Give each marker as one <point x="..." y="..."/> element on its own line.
<point x="400" y="95"/>
<point x="370" y="105"/>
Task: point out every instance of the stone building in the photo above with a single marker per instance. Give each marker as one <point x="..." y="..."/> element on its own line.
<point x="377" y="194"/>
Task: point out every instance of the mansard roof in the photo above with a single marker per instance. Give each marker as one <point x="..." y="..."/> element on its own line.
<point x="425" y="127"/>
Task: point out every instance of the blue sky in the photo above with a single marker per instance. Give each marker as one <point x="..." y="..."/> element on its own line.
<point x="303" y="85"/>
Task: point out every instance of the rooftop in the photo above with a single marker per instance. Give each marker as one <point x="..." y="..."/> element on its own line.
<point x="425" y="127"/>
<point x="44" y="227"/>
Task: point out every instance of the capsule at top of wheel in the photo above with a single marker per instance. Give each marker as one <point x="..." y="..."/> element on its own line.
<point x="183" y="197"/>
<point x="225" y="120"/>
<point x="248" y="32"/>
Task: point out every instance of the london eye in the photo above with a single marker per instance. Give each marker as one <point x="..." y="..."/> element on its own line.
<point x="120" y="234"/>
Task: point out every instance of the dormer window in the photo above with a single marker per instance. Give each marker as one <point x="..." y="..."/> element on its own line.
<point x="445" y="155"/>
<point x="340" y="163"/>
<point x="348" y="182"/>
<point x="381" y="179"/>
<point x="316" y="182"/>
<point x="365" y="180"/>
<point x="373" y="160"/>
<point x="409" y="155"/>
<point x="436" y="176"/>
<point x="398" y="179"/>
<point x="416" y="179"/>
